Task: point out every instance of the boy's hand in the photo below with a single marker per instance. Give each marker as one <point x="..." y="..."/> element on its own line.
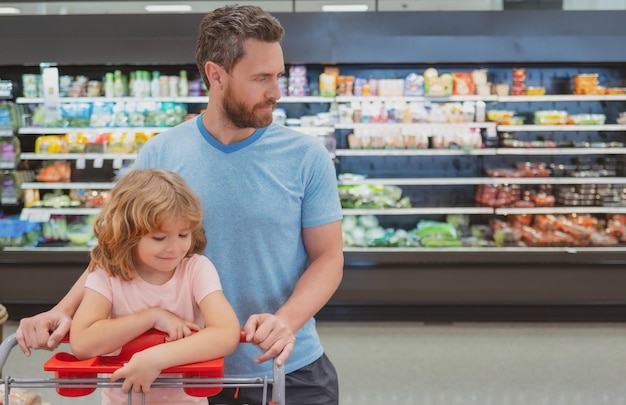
<point x="139" y="373"/>
<point x="175" y="327"/>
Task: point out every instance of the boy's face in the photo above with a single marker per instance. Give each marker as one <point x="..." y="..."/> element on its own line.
<point x="158" y="254"/>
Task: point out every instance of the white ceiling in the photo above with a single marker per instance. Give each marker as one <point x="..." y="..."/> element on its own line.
<point x="137" y="7"/>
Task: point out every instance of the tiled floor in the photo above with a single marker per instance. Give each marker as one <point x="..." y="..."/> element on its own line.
<point x="458" y="364"/>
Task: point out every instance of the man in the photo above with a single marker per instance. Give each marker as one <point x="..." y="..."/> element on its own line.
<point x="272" y="211"/>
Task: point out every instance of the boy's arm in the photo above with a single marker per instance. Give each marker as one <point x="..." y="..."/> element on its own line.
<point x="219" y="338"/>
<point x="47" y="329"/>
<point x="93" y="333"/>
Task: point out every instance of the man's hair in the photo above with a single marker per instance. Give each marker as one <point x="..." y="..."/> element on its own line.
<point x="223" y="31"/>
<point x="142" y="202"/>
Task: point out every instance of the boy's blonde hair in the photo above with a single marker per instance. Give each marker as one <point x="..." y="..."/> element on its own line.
<point x="141" y="203"/>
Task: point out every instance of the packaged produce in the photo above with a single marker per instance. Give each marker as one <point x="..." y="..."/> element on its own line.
<point x="57" y="171"/>
<point x="9" y="150"/>
<point x="535" y="91"/>
<point x="75" y="142"/>
<point x="463" y="84"/>
<point x="551" y="117"/>
<point x="10" y="189"/>
<point x="586" y="83"/>
<point x="75" y="115"/>
<point x="50" y="144"/>
<point x="328" y="85"/>
<point x="55" y="229"/>
<point x="121" y="142"/>
<point x="518" y="87"/>
<point x="436" y="85"/>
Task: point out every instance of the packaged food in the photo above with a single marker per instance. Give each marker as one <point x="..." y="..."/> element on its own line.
<point x="463" y="84"/>
<point x="50" y="144"/>
<point x="551" y="117"/>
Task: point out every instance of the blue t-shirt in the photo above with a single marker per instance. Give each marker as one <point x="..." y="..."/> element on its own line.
<point x="257" y="195"/>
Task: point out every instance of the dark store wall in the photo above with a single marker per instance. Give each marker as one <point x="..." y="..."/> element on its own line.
<point x="513" y="36"/>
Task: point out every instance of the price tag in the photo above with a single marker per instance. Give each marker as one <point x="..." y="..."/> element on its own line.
<point x="80" y="164"/>
<point x="98" y="163"/>
<point x="117" y="163"/>
<point x="491" y="132"/>
<point x="39" y="215"/>
<point x="8" y="200"/>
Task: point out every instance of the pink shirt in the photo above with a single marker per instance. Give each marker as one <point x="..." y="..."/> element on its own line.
<point x="194" y="278"/>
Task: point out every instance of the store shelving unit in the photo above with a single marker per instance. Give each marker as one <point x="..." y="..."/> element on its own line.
<point x="423" y="280"/>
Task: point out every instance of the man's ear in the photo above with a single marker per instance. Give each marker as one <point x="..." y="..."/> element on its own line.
<point x="214" y="73"/>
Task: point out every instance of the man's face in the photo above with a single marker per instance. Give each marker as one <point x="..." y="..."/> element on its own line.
<point x="252" y="90"/>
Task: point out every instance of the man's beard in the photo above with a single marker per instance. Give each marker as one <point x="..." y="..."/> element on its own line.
<point x="241" y="116"/>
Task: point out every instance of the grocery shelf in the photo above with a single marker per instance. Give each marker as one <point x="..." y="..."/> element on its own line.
<point x="414" y="152"/>
<point x="560" y="151"/>
<point x="305" y="99"/>
<point x="40" y="214"/>
<point x="189" y="99"/>
<point x="67" y="186"/>
<point x="348" y="99"/>
<point x="60" y="131"/>
<point x="314" y="130"/>
<point x="483" y="255"/>
<point x="444" y="181"/>
<point x="417" y="211"/>
<point x="40" y="100"/>
<point x="6" y="132"/>
<point x="553" y="128"/>
<point x="413" y="125"/>
<point x="481" y="152"/>
<point x="563" y="97"/>
<point x="420" y="181"/>
<point x="484" y="210"/>
<point x="561" y="210"/>
<point x="78" y="156"/>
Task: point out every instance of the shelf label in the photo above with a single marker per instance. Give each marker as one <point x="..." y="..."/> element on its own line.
<point x="35" y="215"/>
<point x="117" y="163"/>
<point x="98" y="163"/>
<point x="80" y="164"/>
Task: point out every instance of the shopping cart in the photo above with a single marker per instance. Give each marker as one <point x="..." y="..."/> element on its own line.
<point x="74" y="378"/>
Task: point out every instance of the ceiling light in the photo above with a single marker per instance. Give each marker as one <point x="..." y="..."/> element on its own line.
<point x="10" y="10"/>
<point x="168" y="8"/>
<point x="344" y="7"/>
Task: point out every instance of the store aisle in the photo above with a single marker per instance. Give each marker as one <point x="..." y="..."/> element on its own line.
<point x="458" y="364"/>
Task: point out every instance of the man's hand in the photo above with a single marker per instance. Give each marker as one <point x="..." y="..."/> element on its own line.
<point x="271" y="334"/>
<point x="42" y="331"/>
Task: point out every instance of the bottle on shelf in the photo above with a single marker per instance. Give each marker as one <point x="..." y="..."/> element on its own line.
<point x="109" y="85"/>
<point x="183" y="84"/>
<point x="118" y="84"/>
<point x="155" y="84"/>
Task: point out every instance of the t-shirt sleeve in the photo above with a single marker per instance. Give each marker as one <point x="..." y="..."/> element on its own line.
<point x="99" y="281"/>
<point x="204" y="277"/>
<point x="321" y="203"/>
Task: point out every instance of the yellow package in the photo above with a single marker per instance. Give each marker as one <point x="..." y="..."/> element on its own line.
<point x="121" y="142"/>
<point x="141" y="138"/>
<point x="328" y="85"/>
<point x="75" y="142"/>
<point x="50" y="144"/>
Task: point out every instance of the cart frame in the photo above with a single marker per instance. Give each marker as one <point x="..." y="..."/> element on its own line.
<point x="277" y="381"/>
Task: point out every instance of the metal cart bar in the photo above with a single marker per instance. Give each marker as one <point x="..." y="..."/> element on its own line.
<point x="277" y="382"/>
